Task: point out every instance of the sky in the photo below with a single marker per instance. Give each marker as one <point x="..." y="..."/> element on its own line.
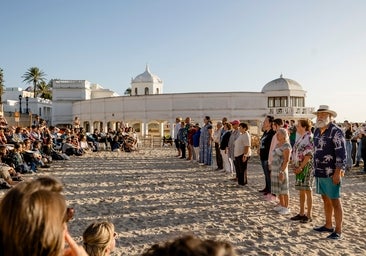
<point x="194" y="45"/>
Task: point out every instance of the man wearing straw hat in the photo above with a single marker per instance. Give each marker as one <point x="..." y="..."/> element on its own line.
<point x="329" y="165"/>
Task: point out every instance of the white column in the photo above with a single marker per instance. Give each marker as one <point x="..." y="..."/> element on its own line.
<point x="142" y="129"/>
<point x="172" y="123"/>
<point x="162" y="129"/>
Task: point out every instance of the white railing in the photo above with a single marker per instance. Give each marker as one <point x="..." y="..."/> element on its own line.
<point x="290" y="111"/>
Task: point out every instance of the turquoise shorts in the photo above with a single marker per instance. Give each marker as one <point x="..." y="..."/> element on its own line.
<point x="325" y="186"/>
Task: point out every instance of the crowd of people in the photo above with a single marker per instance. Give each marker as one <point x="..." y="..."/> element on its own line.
<point x="27" y="149"/>
<point x="319" y="153"/>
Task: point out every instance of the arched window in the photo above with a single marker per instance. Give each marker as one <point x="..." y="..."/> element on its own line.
<point x="135" y="91"/>
<point x="146" y="91"/>
<point x="157" y="90"/>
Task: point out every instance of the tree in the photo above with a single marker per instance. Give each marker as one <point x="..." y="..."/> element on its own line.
<point x="128" y="91"/>
<point x="34" y="75"/>
<point x="44" y="90"/>
<point x="1" y="87"/>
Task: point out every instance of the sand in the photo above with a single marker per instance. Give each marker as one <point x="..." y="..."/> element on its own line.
<point x="152" y="196"/>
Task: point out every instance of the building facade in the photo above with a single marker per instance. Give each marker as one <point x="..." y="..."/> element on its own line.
<point x="148" y="110"/>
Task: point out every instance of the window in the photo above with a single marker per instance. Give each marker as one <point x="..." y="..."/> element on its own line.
<point x="135" y="91"/>
<point x="146" y="91"/>
<point x="297" y="102"/>
<point x="157" y="90"/>
<point x="274" y="102"/>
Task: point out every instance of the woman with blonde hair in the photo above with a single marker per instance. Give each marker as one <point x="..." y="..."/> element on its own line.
<point x="33" y="218"/>
<point x="99" y="238"/>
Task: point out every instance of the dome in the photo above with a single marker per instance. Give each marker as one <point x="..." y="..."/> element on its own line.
<point x="146" y="77"/>
<point x="282" y="84"/>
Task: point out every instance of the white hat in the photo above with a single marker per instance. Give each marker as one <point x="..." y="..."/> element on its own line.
<point x="325" y="108"/>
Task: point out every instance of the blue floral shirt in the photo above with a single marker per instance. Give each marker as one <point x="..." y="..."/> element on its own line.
<point x="330" y="151"/>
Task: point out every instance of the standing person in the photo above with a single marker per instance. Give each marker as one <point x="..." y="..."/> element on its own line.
<point x="224" y="144"/>
<point x="188" y="127"/>
<point x="302" y="159"/>
<point x="183" y="139"/>
<point x="216" y="137"/>
<point x="206" y="142"/>
<point x="192" y="130"/>
<point x="329" y="164"/>
<point x="279" y="170"/>
<point x="348" y="133"/>
<point x="292" y="130"/>
<point x="242" y="154"/>
<point x="176" y="130"/>
<point x="265" y="144"/>
<point x="196" y="142"/>
<point x="234" y="135"/>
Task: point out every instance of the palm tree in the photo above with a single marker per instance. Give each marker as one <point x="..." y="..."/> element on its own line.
<point x="44" y="90"/>
<point x="34" y="75"/>
<point x="128" y="91"/>
<point x="1" y="86"/>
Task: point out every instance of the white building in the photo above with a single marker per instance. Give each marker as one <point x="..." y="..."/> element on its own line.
<point x="17" y="99"/>
<point x="149" y="110"/>
<point x="66" y="92"/>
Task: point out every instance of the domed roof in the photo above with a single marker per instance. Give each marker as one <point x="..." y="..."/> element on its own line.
<point x="282" y="84"/>
<point x="147" y="77"/>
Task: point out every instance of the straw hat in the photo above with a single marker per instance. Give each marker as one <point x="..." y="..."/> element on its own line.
<point x="325" y="109"/>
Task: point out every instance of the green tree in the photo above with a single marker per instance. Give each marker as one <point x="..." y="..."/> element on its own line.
<point x="44" y="90"/>
<point x="128" y="91"/>
<point x="34" y="75"/>
<point x="1" y="87"/>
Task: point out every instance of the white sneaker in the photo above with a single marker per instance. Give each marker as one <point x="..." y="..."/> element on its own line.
<point x="278" y="208"/>
<point x="284" y="210"/>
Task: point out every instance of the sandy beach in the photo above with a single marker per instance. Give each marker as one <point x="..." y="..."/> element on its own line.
<point x="152" y="196"/>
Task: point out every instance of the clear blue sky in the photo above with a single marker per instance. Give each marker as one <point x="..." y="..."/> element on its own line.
<point x="193" y="45"/>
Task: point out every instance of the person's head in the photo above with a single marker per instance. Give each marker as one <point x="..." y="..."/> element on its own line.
<point x="188" y="120"/>
<point x="191" y="246"/>
<point x="324" y="116"/>
<point x="224" y="120"/>
<point x="277" y="123"/>
<point x="282" y="135"/>
<point x="37" y="225"/>
<point x="178" y="119"/>
<point x="243" y="127"/>
<point x="304" y="125"/>
<point x="267" y="123"/>
<point x="235" y="124"/>
<point x="219" y="124"/>
<point x="227" y="126"/>
<point x="99" y="238"/>
<point x="207" y="120"/>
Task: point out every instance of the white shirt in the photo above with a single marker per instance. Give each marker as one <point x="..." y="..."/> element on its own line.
<point x="240" y="143"/>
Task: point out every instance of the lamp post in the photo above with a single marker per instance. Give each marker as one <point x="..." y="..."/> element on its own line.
<point x="20" y="103"/>
<point x="26" y="102"/>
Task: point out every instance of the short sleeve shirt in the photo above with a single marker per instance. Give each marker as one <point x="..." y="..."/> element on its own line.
<point x="330" y="151"/>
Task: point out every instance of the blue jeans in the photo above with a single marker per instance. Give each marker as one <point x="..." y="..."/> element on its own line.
<point x="349" y="154"/>
<point x="267" y="175"/>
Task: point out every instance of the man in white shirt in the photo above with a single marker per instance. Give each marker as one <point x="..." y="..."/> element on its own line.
<point x="242" y="153"/>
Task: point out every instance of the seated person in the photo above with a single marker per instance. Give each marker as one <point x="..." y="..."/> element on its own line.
<point x="70" y="149"/>
<point x="18" y="160"/>
<point x="99" y="238"/>
<point x="84" y="144"/>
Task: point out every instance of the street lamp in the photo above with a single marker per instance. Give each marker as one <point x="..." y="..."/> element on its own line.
<point x="20" y="103"/>
<point x="26" y="101"/>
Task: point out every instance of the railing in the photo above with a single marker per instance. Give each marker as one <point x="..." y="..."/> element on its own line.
<point x="293" y="111"/>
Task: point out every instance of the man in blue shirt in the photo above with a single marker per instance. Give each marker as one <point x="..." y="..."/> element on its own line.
<point x="329" y="165"/>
